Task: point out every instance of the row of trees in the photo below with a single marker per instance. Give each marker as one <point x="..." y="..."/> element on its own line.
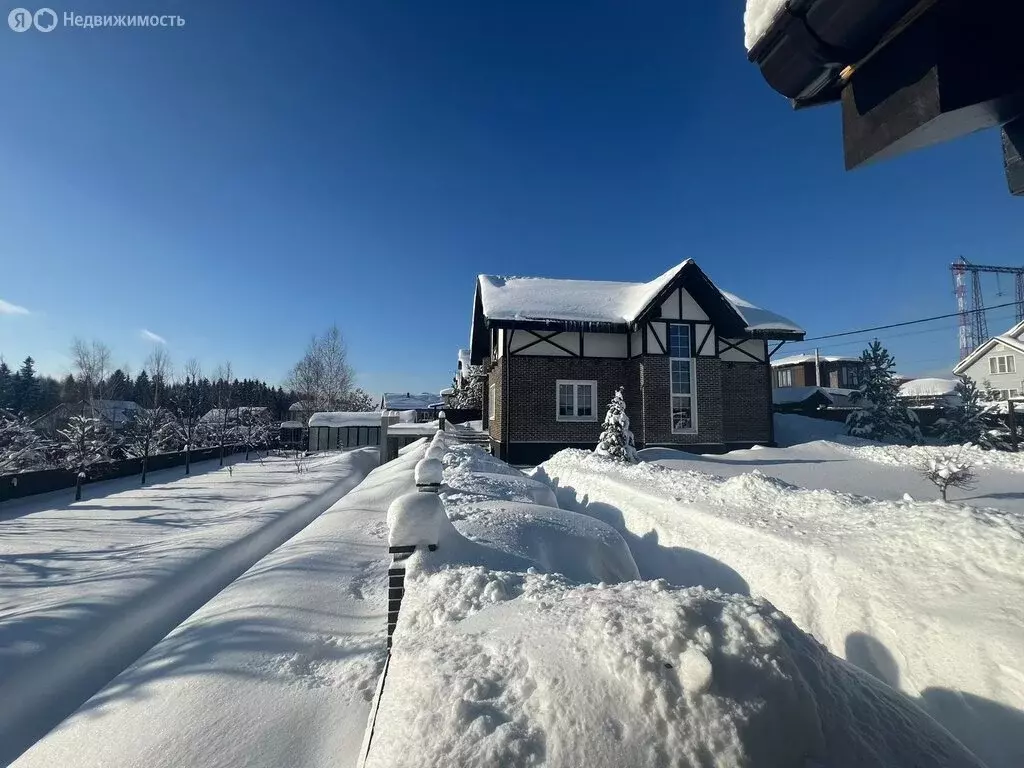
<point x="881" y="415"/>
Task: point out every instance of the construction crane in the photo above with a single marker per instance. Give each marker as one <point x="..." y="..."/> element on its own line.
<point x="973" y="327"/>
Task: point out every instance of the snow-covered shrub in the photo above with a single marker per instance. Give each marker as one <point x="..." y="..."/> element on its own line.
<point x="145" y="435"/>
<point x="21" y="447"/>
<point x="976" y="420"/>
<point x="949" y="472"/>
<point x="880" y="415"/>
<point x="84" y="443"/>
<point x="616" y="440"/>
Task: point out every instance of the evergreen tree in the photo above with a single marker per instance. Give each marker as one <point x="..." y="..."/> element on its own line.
<point x="6" y="386"/>
<point x="26" y="387"/>
<point x="21" y="447"/>
<point x="880" y="415"/>
<point x="471" y="393"/>
<point x="142" y="390"/>
<point x="616" y="440"/>
<point x="975" y="420"/>
<point x="118" y="386"/>
<point x="84" y="444"/>
<point x="69" y="391"/>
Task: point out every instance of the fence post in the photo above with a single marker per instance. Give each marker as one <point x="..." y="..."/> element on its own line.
<point x="428" y="474"/>
<point x="441" y="419"/>
<point x="413" y="522"/>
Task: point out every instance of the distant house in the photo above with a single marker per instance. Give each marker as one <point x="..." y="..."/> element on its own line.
<point x="692" y="358"/>
<point x="833" y="371"/>
<point x="300" y="412"/>
<point x="930" y="393"/>
<point x="426" y="404"/>
<point x="112" y="414"/>
<point x="336" y="430"/>
<point x="998" y="363"/>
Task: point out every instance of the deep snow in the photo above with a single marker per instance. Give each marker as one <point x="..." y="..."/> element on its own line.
<point x="927" y="596"/>
<point x="86" y="587"/>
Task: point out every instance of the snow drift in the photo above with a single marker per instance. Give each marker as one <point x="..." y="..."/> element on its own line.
<point x="511" y="669"/>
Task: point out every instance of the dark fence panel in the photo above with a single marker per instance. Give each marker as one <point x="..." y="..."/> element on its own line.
<point x="47" y="480"/>
<point x="462" y="415"/>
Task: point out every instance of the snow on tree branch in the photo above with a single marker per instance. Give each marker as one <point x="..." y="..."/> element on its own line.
<point x="616" y="441"/>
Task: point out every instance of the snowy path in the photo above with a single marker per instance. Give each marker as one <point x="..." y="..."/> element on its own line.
<point x="87" y="587"/>
<point x="928" y="597"/>
<point x="277" y="669"/>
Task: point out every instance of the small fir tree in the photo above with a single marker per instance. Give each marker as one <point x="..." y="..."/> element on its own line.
<point x="879" y="414"/>
<point x="21" y="447"/>
<point x="616" y="440"/>
<point x="84" y="444"/>
<point x="975" y="420"/>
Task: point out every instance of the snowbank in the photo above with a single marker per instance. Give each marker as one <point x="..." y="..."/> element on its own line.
<point x="792" y="429"/>
<point x="511" y="669"/>
<point x="104" y="580"/>
<point x="918" y="456"/>
<point x="276" y="670"/>
<point x="928" y="596"/>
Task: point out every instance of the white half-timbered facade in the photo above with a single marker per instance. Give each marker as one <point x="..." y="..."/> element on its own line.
<point x="694" y="362"/>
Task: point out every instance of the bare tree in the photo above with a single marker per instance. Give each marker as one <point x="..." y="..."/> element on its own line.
<point x="143" y="435"/>
<point x="224" y="424"/>
<point x="323" y="375"/>
<point x="91" y="360"/>
<point x="254" y="429"/>
<point x="188" y="411"/>
<point x="160" y="371"/>
<point x="84" y="444"/>
<point x="949" y="472"/>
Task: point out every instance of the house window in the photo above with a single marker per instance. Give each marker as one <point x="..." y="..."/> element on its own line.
<point x="575" y="400"/>
<point x="1001" y="364"/>
<point x="682" y="376"/>
<point x="491" y="405"/>
<point x="848" y="378"/>
<point x="785" y="377"/>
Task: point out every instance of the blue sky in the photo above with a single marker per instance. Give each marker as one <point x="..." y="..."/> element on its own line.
<point x="242" y="182"/>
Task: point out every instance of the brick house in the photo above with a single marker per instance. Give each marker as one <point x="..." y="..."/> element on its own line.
<point x="693" y="361"/>
<point x="835" y="372"/>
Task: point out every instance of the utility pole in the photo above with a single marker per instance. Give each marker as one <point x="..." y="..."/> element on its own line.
<point x="817" y="368"/>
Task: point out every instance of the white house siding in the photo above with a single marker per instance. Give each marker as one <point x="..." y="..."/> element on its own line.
<point x="754" y="347"/>
<point x="604" y="344"/>
<point x="980" y="371"/>
<point x="691" y="310"/>
<point x="526" y="343"/>
<point x="706" y="347"/>
<point x="636" y="343"/>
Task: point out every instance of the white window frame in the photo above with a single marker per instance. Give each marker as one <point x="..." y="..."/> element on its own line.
<point x="785" y="377"/>
<point x="576" y="384"/>
<point x="692" y="429"/>
<point x="1007" y="361"/>
<point x="492" y="402"/>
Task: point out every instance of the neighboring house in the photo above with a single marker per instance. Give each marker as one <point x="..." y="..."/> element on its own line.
<point x="998" y="363"/>
<point x="930" y="393"/>
<point x="112" y="414"/>
<point x="692" y="358"/>
<point x="334" y="430"/>
<point x="426" y="404"/>
<point x="300" y="412"/>
<point x="833" y="371"/>
<point x="462" y="369"/>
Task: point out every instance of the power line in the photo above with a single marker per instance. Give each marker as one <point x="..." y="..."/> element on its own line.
<point x="909" y="322"/>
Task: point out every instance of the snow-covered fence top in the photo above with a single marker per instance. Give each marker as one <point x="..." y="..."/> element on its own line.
<point x="345" y="419"/>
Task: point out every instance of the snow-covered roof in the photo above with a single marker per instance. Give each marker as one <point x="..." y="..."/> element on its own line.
<point x="345" y="419"/>
<point x="447" y="391"/>
<point x="758" y="18"/>
<point x="116" y="412"/>
<point x="793" y="395"/>
<point x="291" y="425"/>
<point x="217" y="414"/>
<point x="1013" y="338"/>
<point x="428" y="428"/>
<point x="928" y="388"/>
<point x="301" y="405"/>
<point x="798" y="359"/>
<point x="599" y="301"/>
<point x="405" y="401"/>
<point x="464" y="359"/>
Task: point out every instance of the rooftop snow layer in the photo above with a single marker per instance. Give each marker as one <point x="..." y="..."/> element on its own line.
<point x="758" y="18"/>
<point x="403" y="401"/>
<point x="790" y="395"/>
<point x="597" y="301"/>
<point x="798" y="359"/>
<point x="929" y="388"/>
<point x="345" y="419"/>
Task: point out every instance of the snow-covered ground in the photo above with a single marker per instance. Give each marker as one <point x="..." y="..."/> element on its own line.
<point x="927" y="596"/>
<point x="277" y="669"/>
<point x="86" y="587"/>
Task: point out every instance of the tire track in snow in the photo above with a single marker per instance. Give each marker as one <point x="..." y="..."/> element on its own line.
<point x="44" y="691"/>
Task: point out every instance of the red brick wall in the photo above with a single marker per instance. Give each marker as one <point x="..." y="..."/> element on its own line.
<point x="746" y="402"/>
<point x="532" y="396"/>
<point x="657" y="402"/>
